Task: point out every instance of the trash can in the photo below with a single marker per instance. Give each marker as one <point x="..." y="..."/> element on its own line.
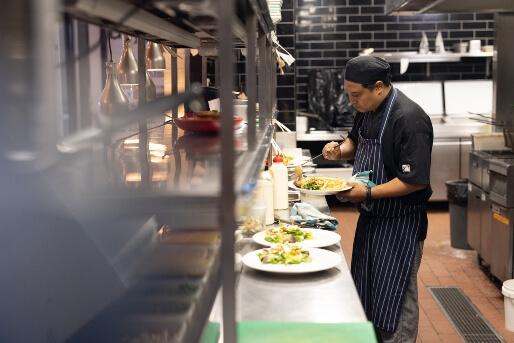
<point x="457" y="194"/>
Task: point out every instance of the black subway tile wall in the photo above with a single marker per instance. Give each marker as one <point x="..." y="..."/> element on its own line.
<point x="286" y="90"/>
<point x="327" y="33"/>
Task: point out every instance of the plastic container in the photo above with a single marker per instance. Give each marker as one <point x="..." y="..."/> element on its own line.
<point x="508" y="298"/>
<point x="240" y="108"/>
<point x="488" y="141"/>
<point x="475" y="45"/>
<point x="264" y="190"/>
<point x="457" y="194"/>
<point x="460" y="47"/>
<point x="280" y="188"/>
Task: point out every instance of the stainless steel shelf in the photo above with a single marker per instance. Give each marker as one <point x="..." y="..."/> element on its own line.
<point x="182" y="179"/>
<point x="173" y="23"/>
<point x="415" y="57"/>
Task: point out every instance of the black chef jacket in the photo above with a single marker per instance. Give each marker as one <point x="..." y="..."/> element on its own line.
<point x="406" y="144"/>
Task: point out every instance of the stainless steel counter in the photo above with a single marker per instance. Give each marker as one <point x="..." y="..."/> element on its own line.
<point x="322" y="297"/>
<point x="457" y="127"/>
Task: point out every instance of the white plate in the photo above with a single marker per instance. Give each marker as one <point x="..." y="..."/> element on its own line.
<point x="321" y="260"/>
<point x="310" y="191"/>
<point x="322" y="238"/>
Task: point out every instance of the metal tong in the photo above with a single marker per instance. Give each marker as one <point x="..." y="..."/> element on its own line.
<point x="315" y="157"/>
<point x="487" y="120"/>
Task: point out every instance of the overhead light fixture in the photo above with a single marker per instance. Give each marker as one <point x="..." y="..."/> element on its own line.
<point x="154" y="57"/>
<point x="127" y="69"/>
<point x="128" y="74"/>
<point x="113" y="100"/>
<point x="151" y="91"/>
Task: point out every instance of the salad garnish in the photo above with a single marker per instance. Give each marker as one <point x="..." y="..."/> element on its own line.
<point x="287" y="234"/>
<point x="284" y="254"/>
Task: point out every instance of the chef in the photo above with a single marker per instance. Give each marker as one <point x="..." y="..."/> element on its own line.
<point x="391" y="140"/>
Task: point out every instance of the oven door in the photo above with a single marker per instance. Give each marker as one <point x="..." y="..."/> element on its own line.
<point x="486" y="247"/>
<point x="501" y="181"/>
<point x="474" y="227"/>
<point x="476" y="159"/>
<point x="502" y="219"/>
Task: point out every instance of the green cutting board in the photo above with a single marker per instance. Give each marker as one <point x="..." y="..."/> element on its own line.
<point x="293" y="332"/>
<point x="212" y="333"/>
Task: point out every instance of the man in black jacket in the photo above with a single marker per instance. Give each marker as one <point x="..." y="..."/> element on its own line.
<point x="392" y="137"/>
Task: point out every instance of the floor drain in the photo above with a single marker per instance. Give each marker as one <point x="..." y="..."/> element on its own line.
<point x="464" y="316"/>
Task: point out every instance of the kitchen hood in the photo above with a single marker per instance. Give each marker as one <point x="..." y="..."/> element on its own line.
<point x="406" y="7"/>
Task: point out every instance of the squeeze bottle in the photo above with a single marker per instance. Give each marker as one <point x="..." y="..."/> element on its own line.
<point x="264" y="190"/>
<point x="280" y="178"/>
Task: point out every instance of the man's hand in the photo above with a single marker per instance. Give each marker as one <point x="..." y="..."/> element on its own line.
<point x="356" y="194"/>
<point x="345" y="151"/>
<point x="331" y="151"/>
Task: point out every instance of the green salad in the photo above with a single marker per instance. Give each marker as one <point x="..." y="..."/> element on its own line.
<point x="284" y="254"/>
<point x="287" y="234"/>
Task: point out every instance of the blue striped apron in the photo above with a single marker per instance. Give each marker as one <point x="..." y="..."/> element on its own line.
<point x="385" y="238"/>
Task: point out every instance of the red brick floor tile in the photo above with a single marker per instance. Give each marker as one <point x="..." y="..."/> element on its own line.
<point x="497" y="302"/>
<point x="467" y="287"/>
<point x="460" y="276"/>
<point x="428" y="334"/>
<point x="507" y="335"/>
<point x="434" y="314"/>
<point x="438" y="268"/>
<point x="447" y="281"/>
<point x="430" y="279"/>
<point x="429" y="303"/>
<point x="443" y="326"/>
<point x="423" y="291"/>
<point x="423" y="319"/>
<point x="450" y="338"/>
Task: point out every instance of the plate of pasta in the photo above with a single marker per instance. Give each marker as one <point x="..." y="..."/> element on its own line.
<point x="320" y="185"/>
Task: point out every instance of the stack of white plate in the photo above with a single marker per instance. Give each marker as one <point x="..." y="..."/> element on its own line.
<point x="275" y="10"/>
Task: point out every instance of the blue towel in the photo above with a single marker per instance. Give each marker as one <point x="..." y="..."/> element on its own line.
<point x="305" y="213"/>
<point x="364" y="178"/>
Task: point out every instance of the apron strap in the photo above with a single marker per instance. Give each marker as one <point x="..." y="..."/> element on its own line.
<point x="387" y="111"/>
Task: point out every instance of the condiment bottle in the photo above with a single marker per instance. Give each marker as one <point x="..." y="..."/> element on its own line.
<point x="264" y="190"/>
<point x="280" y="178"/>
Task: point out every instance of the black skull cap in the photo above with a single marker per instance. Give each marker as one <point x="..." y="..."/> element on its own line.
<point x="367" y="70"/>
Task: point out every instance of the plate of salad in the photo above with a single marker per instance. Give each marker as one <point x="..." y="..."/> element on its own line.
<point x="319" y="185"/>
<point x="291" y="259"/>
<point x="306" y="237"/>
